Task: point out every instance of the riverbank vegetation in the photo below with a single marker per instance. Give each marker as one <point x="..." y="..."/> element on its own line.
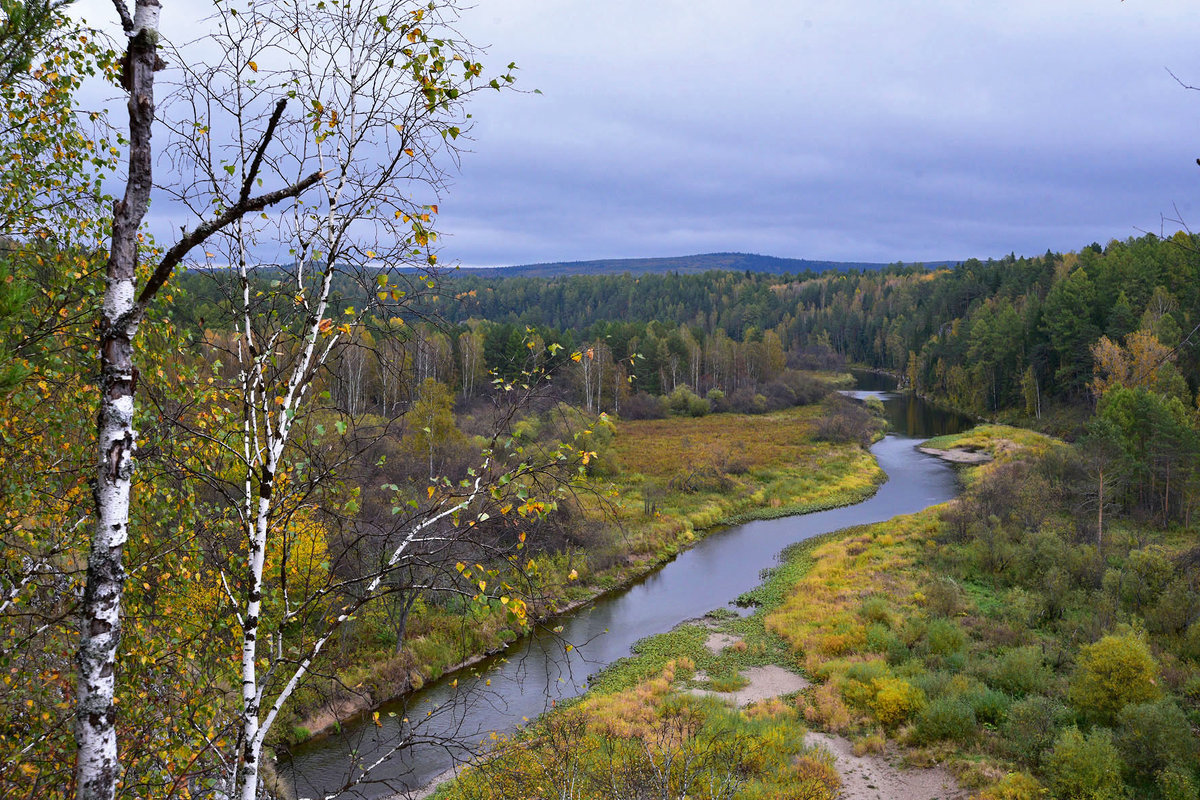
<point x="997" y="635"/>
<point x="1000" y="635"/>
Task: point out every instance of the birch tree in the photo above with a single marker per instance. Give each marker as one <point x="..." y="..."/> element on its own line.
<point x="382" y="87"/>
<point x="126" y="301"/>
<point x="350" y="78"/>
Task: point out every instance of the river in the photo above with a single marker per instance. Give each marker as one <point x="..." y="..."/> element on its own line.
<point x="541" y="670"/>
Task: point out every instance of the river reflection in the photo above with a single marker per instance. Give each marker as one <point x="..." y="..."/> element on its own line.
<point x="541" y="671"/>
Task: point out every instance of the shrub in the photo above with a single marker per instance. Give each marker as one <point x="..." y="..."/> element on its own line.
<point x="1111" y="674"/>
<point x="989" y="705"/>
<point x="876" y="609"/>
<point x="880" y="639"/>
<point x="1085" y="768"/>
<point x="642" y="405"/>
<point x="945" y="637"/>
<point x="1177" y="785"/>
<point x="1177" y="607"/>
<point x="866" y="671"/>
<point x="1021" y="671"/>
<point x="1032" y="726"/>
<point x="1191" y="642"/>
<point x="1153" y="737"/>
<point x="896" y="700"/>
<point x="684" y="402"/>
<point x="845" y="421"/>
<point x="945" y="598"/>
<point x="1143" y="577"/>
<point x="1014" y="786"/>
<point x="815" y="778"/>
<point x="932" y="683"/>
<point x="946" y="718"/>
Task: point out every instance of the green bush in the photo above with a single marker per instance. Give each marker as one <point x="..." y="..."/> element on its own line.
<point x="944" y="597"/>
<point x="989" y="705"/>
<point x="876" y="609"/>
<point x="932" y="683"/>
<point x="1021" y="671"/>
<point x="1111" y="674"/>
<point x="1177" y="606"/>
<point x="1143" y="577"/>
<point x="1153" y="737"/>
<point x="684" y="402"/>
<point x="1191" y="642"/>
<point x="897" y="651"/>
<point x="946" y="718"/>
<point x="1085" y="768"/>
<point x="880" y="639"/>
<point x="1177" y="785"/>
<point x="1031" y="727"/>
<point x="945" y="637"/>
<point x="866" y="671"/>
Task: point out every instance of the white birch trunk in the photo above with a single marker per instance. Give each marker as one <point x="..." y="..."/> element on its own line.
<point x="97" y="770"/>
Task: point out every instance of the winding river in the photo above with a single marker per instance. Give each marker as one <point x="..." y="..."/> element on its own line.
<point x="505" y="690"/>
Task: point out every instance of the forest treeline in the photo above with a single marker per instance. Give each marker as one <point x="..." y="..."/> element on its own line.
<point x="1013" y="335"/>
<point x="1048" y="341"/>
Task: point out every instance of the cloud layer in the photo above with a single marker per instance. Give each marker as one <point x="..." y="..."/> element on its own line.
<point x="857" y="130"/>
<point x="864" y="130"/>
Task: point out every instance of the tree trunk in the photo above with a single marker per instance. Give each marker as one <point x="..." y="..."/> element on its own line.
<point x="97" y="770"/>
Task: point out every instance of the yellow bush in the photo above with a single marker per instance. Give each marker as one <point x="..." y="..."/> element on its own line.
<point x="1112" y="673"/>
<point x="1013" y="786"/>
<point x="826" y="709"/>
<point x="896" y="700"/>
<point x="816" y="779"/>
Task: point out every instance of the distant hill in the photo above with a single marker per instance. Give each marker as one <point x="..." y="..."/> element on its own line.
<point x="739" y="262"/>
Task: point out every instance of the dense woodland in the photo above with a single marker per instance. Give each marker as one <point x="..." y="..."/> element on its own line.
<point x="1007" y="335"/>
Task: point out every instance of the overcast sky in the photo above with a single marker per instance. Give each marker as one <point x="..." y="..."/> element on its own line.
<point x="864" y="130"/>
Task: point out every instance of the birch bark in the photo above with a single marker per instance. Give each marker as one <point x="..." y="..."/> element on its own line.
<point x="97" y="768"/>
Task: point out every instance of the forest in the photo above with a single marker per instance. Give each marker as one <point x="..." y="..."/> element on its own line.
<point x="244" y="503"/>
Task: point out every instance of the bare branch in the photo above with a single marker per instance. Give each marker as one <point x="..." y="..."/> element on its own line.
<point x="176" y="254"/>
<point x="123" y="13"/>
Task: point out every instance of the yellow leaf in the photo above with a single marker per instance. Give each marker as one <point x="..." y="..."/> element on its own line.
<point x="254" y="67"/>
<point x="574" y="575"/>
<point x="431" y="492"/>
